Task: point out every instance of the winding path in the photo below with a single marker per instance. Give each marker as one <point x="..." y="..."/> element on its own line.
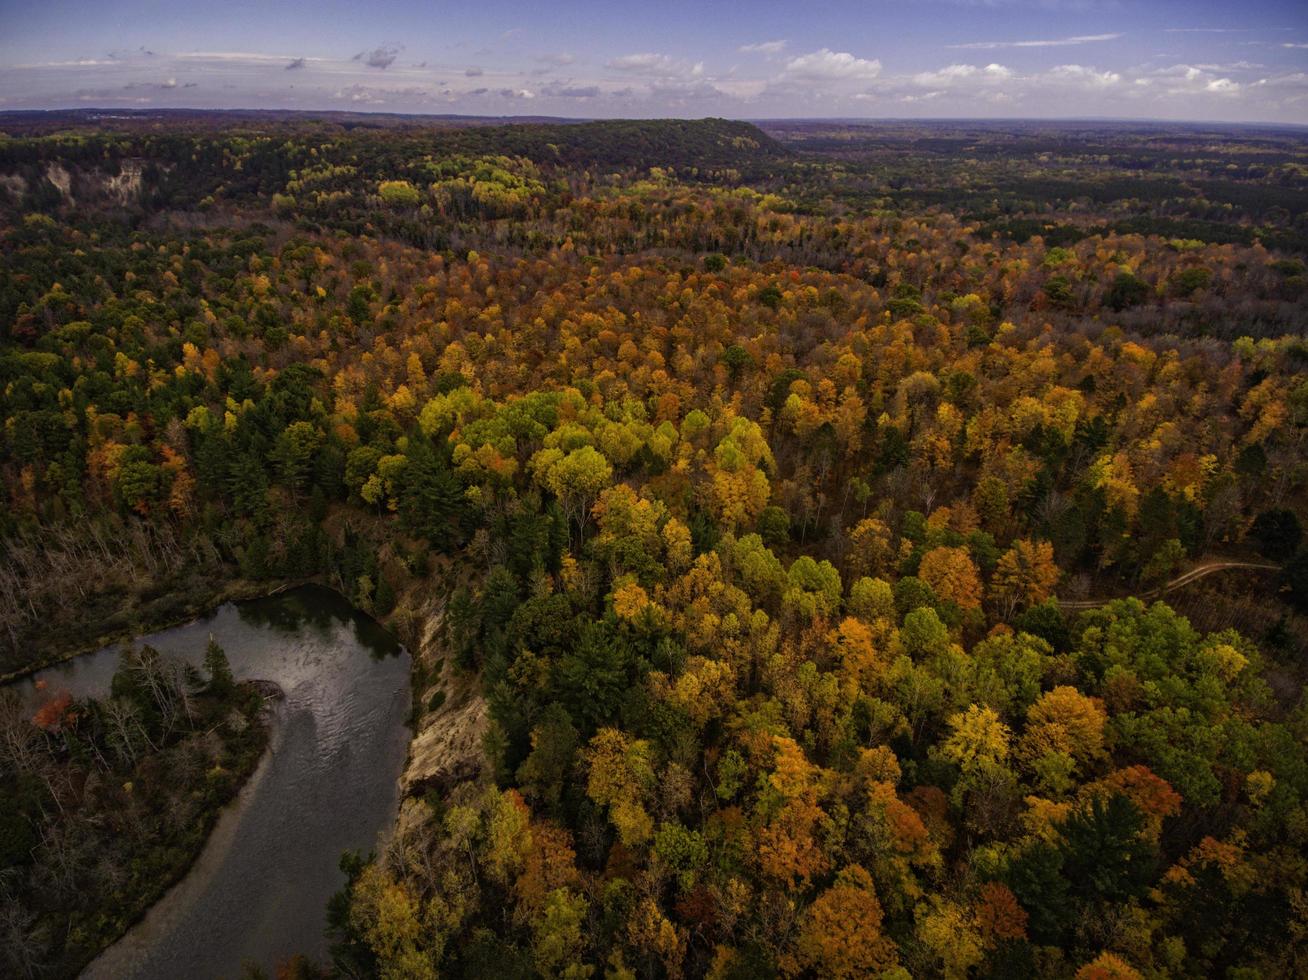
<point x="1193" y="575"/>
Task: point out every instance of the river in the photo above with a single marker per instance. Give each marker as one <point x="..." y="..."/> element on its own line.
<point x="329" y="783"/>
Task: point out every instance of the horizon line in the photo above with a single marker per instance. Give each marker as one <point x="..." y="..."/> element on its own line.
<point x="144" y="110"/>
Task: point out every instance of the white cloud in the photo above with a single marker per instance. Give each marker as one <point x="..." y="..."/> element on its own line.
<point x="649" y="63"/>
<point x="767" y="78"/>
<point x="249" y="56"/>
<point x="828" y="65"/>
<point x="680" y="91"/>
<point x="1083" y="77"/>
<point x="373" y="95"/>
<point x="951" y="75"/>
<point x="923" y="97"/>
<point x="1189" y="80"/>
<point x="1060" y="42"/>
<point x="763" y="47"/>
<point x="79" y="63"/>
<point x="1232" y="66"/>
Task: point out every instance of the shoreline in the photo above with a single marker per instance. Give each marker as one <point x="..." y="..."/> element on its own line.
<point x="117" y="959"/>
<point x="121" y="956"/>
<point x="235" y="590"/>
<point x="442" y="747"/>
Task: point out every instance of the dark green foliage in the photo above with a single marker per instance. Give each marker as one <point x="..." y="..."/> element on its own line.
<point x="1105" y="857"/>
<point x="1038" y="881"/>
<point x="384" y="598"/>
<point x="736" y="358"/>
<point x="349" y="953"/>
<point x="1126" y="291"/>
<point x="1294" y="578"/>
<point x="774" y="527"/>
<point x="1046" y="621"/>
<point x="592" y="679"/>
<point x="545" y="772"/>
<point x="1277" y="533"/>
<point x="1191" y="280"/>
<point x="221" y="681"/>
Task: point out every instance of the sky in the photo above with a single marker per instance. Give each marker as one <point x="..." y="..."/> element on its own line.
<point x="1201" y="60"/>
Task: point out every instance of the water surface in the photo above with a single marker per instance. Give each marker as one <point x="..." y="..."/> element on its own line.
<point x="329" y="783"/>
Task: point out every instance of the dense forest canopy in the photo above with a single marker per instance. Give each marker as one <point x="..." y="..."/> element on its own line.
<point x="750" y="468"/>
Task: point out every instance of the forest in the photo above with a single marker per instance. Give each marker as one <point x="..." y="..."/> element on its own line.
<point x="802" y="501"/>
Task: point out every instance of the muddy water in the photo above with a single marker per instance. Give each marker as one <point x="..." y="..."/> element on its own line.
<point x="258" y="892"/>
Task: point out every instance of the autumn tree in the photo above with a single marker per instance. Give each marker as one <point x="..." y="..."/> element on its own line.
<point x="840" y="933"/>
<point x="951" y="575"/>
<point x="1024" y="576"/>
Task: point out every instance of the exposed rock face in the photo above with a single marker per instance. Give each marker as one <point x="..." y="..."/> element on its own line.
<point x="447" y="742"/>
<point x="14" y="184"/>
<point x="78" y="186"/>
<point x="61" y="178"/>
<point x="126" y="187"/>
<point x="448" y="747"/>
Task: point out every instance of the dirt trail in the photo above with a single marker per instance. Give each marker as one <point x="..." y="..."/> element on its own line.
<point x="1194" y="574"/>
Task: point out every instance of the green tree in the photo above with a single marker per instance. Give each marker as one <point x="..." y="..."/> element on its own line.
<point x="1106" y="858"/>
<point x="576" y="480"/>
<point x="399" y="193"/>
<point x="216" y="665"/>
<point x="593" y="678"/>
<point x="432" y="503"/>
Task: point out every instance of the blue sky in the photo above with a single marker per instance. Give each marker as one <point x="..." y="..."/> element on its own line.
<point x="1159" y="59"/>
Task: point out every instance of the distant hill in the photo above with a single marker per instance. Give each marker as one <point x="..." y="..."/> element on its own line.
<point x="575" y="142"/>
<point x="176" y="160"/>
<point x="625" y="142"/>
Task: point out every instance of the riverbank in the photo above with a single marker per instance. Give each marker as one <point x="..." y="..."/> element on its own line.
<point x="447" y="718"/>
<point x="258" y="888"/>
<point x="118" y="819"/>
<point x="130" y="618"/>
<point x="115" y="959"/>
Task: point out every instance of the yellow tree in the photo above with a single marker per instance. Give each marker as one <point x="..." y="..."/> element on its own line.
<point x="952" y="576"/>
<point x="1065" y="720"/>
<point x="788" y="850"/>
<point x="840" y="935"/>
<point x="853" y="644"/>
<point x="558" y="938"/>
<point x="576" y="479"/>
<point x="870" y="551"/>
<point x="949" y="935"/>
<point x="387" y="913"/>
<point x="739" y="486"/>
<point x="976" y="738"/>
<point x="1025" y="576"/>
<point x="621" y="776"/>
<point x="654" y="935"/>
